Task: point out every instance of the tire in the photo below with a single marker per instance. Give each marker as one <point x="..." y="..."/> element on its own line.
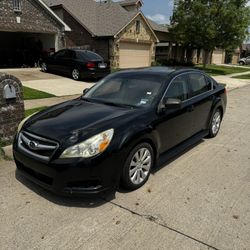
<point x="75" y="73"/>
<point x="44" y="67"/>
<point x="241" y="63"/>
<point x="215" y="123"/>
<point x="137" y="167"/>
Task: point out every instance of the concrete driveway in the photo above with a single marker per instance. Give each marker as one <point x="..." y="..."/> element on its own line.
<point x="50" y="83"/>
<point x="200" y="200"/>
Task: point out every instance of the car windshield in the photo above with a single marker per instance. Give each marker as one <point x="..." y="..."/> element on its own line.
<point x="135" y="90"/>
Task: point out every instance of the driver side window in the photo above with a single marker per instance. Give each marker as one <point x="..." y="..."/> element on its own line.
<point x="178" y="89"/>
<point x="60" y="54"/>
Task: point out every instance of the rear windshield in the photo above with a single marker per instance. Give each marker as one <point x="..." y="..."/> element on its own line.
<point x="88" y="55"/>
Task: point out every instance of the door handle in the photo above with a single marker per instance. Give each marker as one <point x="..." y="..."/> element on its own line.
<point x="190" y="108"/>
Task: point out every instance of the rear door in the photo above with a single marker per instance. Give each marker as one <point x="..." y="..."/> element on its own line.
<point x="201" y="99"/>
<point x="175" y="125"/>
<point x="67" y="62"/>
<point x="57" y="61"/>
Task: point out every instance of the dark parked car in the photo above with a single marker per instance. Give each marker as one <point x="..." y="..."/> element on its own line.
<point x="76" y="63"/>
<point x="118" y="130"/>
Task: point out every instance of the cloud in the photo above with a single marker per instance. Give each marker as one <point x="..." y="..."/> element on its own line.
<point x="159" y="18"/>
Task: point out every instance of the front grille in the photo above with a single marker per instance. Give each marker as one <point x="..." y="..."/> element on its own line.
<point x="37" y="146"/>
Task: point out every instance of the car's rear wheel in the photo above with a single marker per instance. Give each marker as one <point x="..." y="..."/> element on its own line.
<point x="44" y="67"/>
<point x="215" y="123"/>
<point x="75" y="74"/>
<point x="138" y="166"/>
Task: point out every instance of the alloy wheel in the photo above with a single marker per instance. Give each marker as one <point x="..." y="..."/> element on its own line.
<point x="140" y="165"/>
<point x="44" y="67"/>
<point x="75" y="74"/>
<point x="216" y="122"/>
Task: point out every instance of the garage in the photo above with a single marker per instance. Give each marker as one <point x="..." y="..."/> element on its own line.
<point x="20" y="49"/>
<point x="134" y="55"/>
<point x="218" y="56"/>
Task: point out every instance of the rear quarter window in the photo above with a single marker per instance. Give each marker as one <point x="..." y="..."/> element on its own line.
<point x="199" y="84"/>
<point x="88" y="56"/>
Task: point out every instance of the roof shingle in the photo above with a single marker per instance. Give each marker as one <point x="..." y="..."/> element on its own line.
<point x="101" y="19"/>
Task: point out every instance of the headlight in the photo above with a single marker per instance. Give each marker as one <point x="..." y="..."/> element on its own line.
<point x="23" y="121"/>
<point x="91" y="147"/>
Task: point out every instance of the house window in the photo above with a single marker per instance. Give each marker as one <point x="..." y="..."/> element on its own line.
<point x="138" y="26"/>
<point x="17" y="5"/>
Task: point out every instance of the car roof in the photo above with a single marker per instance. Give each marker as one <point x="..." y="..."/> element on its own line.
<point x="158" y="70"/>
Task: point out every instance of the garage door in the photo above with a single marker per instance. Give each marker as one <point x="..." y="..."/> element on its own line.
<point x="217" y="57"/>
<point x="134" y="55"/>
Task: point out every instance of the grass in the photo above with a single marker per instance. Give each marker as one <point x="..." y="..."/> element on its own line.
<point x="31" y="94"/>
<point x="242" y="77"/>
<point x="216" y="70"/>
<point x="29" y="112"/>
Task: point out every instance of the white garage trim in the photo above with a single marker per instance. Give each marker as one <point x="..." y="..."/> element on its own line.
<point x="134" y="55"/>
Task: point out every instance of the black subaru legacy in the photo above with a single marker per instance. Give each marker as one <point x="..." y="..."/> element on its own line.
<point x="118" y="130"/>
<point x="76" y="63"/>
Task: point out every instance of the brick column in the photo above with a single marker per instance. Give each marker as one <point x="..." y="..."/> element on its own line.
<point x="12" y="110"/>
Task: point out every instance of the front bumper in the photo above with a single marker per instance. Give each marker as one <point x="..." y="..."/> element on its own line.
<point x="71" y="177"/>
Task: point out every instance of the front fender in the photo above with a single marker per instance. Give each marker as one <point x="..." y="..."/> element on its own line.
<point x="134" y="136"/>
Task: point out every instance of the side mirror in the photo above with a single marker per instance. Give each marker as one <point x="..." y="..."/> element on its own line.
<point x="85" y="91"/>
<point x="172" y="103"/>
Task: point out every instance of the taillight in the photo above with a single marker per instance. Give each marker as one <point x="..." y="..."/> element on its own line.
<point x="225" y="91"/>
<point x="90" y="65"/>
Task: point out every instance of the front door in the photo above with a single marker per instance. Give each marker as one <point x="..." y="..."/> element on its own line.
<point x="175" y="125"/>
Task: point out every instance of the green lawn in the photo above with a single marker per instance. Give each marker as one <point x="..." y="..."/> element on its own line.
<point x="215" y="70"/>
<point x="242" y="77"/>
<point x="30" y="94"/>
<point x="29" y="112"/>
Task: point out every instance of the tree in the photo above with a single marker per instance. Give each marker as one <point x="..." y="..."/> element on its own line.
<point x="207" y="24"/>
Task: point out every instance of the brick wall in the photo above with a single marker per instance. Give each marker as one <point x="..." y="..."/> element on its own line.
<point x="12" y="111"/>
<point x="34" y="18"/>
<point x="81" y="37"/>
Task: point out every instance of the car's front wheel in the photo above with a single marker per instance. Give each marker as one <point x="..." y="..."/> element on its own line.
<point x="138" y="166"/>
<point x="215" y="123"/>
<point x="75" y="74"/>
<point x="241" y="63"/>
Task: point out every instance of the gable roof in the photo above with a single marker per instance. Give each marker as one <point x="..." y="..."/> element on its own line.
<point x="44" y="6"/>
<point x="130" y="2"/>
<point x="158" y="27"/>
<point x="99" y="18"/>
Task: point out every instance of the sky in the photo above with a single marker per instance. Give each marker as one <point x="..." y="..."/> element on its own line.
<point x="158" y="10"/>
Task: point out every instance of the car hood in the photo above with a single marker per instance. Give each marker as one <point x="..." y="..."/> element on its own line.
<point x="77" y="117"/>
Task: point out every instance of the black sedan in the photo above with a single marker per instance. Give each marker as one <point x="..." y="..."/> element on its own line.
<point x="118" y="130"/>
<point x="76" y="63"/>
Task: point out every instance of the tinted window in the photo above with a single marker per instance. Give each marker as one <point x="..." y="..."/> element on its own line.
<point x="135" y="90"/>
<point x="88" y="55"/>
<point x="198" y="84"/>
<point x="178" y="88"/>
<point x="70" y="54"/>
<point x="60" y="53"/>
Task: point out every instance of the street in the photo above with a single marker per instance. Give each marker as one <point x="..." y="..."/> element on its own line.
<point x="199" y="200"/>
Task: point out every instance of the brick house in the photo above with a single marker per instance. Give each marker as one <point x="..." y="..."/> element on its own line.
<point x="118" y="31"/>
<point x="28" y="28"/>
